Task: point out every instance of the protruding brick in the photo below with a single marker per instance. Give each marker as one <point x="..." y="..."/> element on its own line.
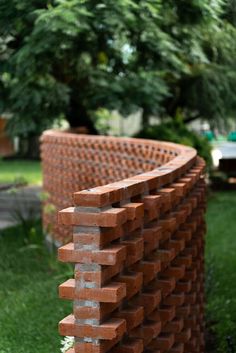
<point x="147" y="331"/>
<point x="109" y="330"/>
<point x="133" y="283"/>
<point x="112" y="293"/>
<point x="163" y="342"/>
<point x="129" y="346"/>
<point x="174" y="326"/>
<point x="133" y="316"/>
<point x="111" y="255"/>
<point x="107" y="218"/>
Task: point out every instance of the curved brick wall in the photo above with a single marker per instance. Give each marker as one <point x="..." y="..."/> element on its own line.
<point x="138" y="241"/>
<point x="75" y="162"/>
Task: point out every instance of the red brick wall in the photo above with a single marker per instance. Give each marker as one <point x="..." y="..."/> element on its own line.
<point x="137" y="243"/>
<point x="73" y="162"/>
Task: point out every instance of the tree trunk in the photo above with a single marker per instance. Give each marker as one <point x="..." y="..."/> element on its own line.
<point x="191" y="118"/>
<point x="145" y="119"/>
<point x="29" y="147"/>
<point x="77" y="116"/>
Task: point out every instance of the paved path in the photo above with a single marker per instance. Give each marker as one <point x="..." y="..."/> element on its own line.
<point x="15" y="204"/>
<point x="227" y="149"/>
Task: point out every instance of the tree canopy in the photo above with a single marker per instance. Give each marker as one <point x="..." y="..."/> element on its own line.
<point x="68" y="58"/>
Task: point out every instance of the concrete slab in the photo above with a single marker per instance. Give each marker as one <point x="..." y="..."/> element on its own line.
<point x="15" y="204"/>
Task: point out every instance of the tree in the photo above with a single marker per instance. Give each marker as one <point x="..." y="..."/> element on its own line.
<point x="71" y="57"/>
<point x="206" y="89"/>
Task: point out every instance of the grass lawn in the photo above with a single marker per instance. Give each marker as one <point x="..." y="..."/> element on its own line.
<point x="29" y="304"/>
<point x="221" y="267"/>
<point x="15" y="170"/>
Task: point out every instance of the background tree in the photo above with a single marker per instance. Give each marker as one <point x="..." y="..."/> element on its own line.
<point x="68" y="58"/>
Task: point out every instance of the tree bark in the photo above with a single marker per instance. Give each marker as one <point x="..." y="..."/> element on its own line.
<point x="191" y="118"/>
<point x="145" y="119"/>
<point x="77" y="116"/>
<point x="29" y="147"/>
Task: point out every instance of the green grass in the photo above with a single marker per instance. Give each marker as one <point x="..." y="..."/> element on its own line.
<point x="16" y="170"/>
<point x="29" y="306"/>
<point x="221" y="267"/>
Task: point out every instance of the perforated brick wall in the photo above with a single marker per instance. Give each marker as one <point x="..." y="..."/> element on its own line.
<point x="137" y="243"/>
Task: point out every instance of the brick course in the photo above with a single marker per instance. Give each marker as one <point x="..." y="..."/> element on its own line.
<point x="137" y="241"/>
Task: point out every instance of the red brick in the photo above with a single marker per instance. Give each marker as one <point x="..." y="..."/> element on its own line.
<point x="183" y="286"/>
<point x="151" y="239"/>
<point x="174" y="326"/>
<point x="133" y="283"/>
<point x="134" y="210"/>
<point x="108" y="218"/>
<point x="100" y="312"/>
<point x="163" y="342"/>
<point x="100" y="238"/>
<point x="185" y="260"/>
<point x="165" y="255"/>
<point x="112" y="293"/>
<point x="177" y="348"/>
<point x="129" y="346"/>
<point x="109" y="256"/>
<point x="149" y="300"/>
<point x="97" y="197"/>
<point x="148" y="268"/>
<point x="99" y="277"/>
<point x="168" y="224"/>
<point x="167" y="313"/>
<point x="103" y="347"/>
<point x="183" y="311"/>
<point x="134" y="246"/>
<point x="109" y="330"/>
<point x="147" y="331"/>
<point x="183" y="336"/>
<point x="133" y="316"/>
<point x="174" y="299"/>
<point x="175" y="271"/>
<point x="166" y="285"/>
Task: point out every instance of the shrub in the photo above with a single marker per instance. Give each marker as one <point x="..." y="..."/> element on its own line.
<point x="176" y="131"/>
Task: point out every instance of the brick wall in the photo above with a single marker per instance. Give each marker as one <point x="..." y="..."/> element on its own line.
<point x="73" y="162"/>
<point x="137" y="243"/>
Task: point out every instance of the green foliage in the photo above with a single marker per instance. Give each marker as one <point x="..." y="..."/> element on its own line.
<point x="70" y="58"/>
<point x="20" y="171"/>
<point x="176" y="131"/>
<point x="102" y="117"/>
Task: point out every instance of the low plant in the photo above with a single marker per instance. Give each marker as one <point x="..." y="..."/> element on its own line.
<point x="67" y="343"/>
<point x="27" y="216"/>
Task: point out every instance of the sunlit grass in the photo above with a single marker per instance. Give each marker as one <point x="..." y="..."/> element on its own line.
<point x="20" y="170"/>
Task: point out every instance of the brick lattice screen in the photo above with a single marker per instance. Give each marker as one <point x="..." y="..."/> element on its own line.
<point x="138" y="242"/>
